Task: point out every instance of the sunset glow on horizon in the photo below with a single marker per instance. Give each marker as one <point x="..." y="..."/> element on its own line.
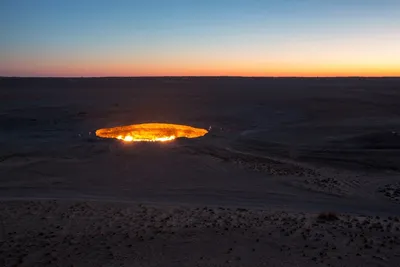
<point x="201" y="38"/>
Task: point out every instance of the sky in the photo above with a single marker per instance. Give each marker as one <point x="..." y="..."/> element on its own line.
<point x="71" y="38"/>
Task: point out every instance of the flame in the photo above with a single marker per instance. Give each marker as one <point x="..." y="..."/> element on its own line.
<point x="151" y="132"/>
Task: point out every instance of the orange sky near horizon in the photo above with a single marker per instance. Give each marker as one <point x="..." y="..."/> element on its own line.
<point x="205" y="38"/>
<point x="275" y="69"/>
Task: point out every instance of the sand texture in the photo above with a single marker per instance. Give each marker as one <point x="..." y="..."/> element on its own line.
<point x="57" y="233"/>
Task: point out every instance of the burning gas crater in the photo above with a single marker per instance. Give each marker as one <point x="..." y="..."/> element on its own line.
<point x="151" y="132"/>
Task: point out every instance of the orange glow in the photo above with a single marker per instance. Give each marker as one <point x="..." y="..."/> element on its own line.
<point x="374" y="54"/>
<point x="244" y="69"/>
<point x="301" y="60"/>
<point x="150" y="132"/>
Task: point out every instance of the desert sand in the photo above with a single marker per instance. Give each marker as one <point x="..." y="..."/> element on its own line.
<point x="279" y="153"/>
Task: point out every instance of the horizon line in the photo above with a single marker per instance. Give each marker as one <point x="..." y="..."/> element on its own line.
<point x="190" y="76"/>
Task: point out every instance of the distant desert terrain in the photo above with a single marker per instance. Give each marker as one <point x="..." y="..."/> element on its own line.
<point x="293" y="172"/>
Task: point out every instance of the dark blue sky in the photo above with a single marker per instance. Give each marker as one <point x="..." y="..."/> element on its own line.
<point x="220" y="37"/>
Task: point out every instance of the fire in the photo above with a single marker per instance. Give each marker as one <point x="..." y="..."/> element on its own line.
<point x="151" y="132"/>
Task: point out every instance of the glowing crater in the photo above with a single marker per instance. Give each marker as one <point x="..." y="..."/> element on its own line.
<point x="151" y="132"/>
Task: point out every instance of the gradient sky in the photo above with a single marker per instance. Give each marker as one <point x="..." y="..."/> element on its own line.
<point x="200" y="37"/>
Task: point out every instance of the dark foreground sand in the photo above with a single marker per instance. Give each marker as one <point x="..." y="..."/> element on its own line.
<point x="279" y="152"/>
<point x="64" y="233"/>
